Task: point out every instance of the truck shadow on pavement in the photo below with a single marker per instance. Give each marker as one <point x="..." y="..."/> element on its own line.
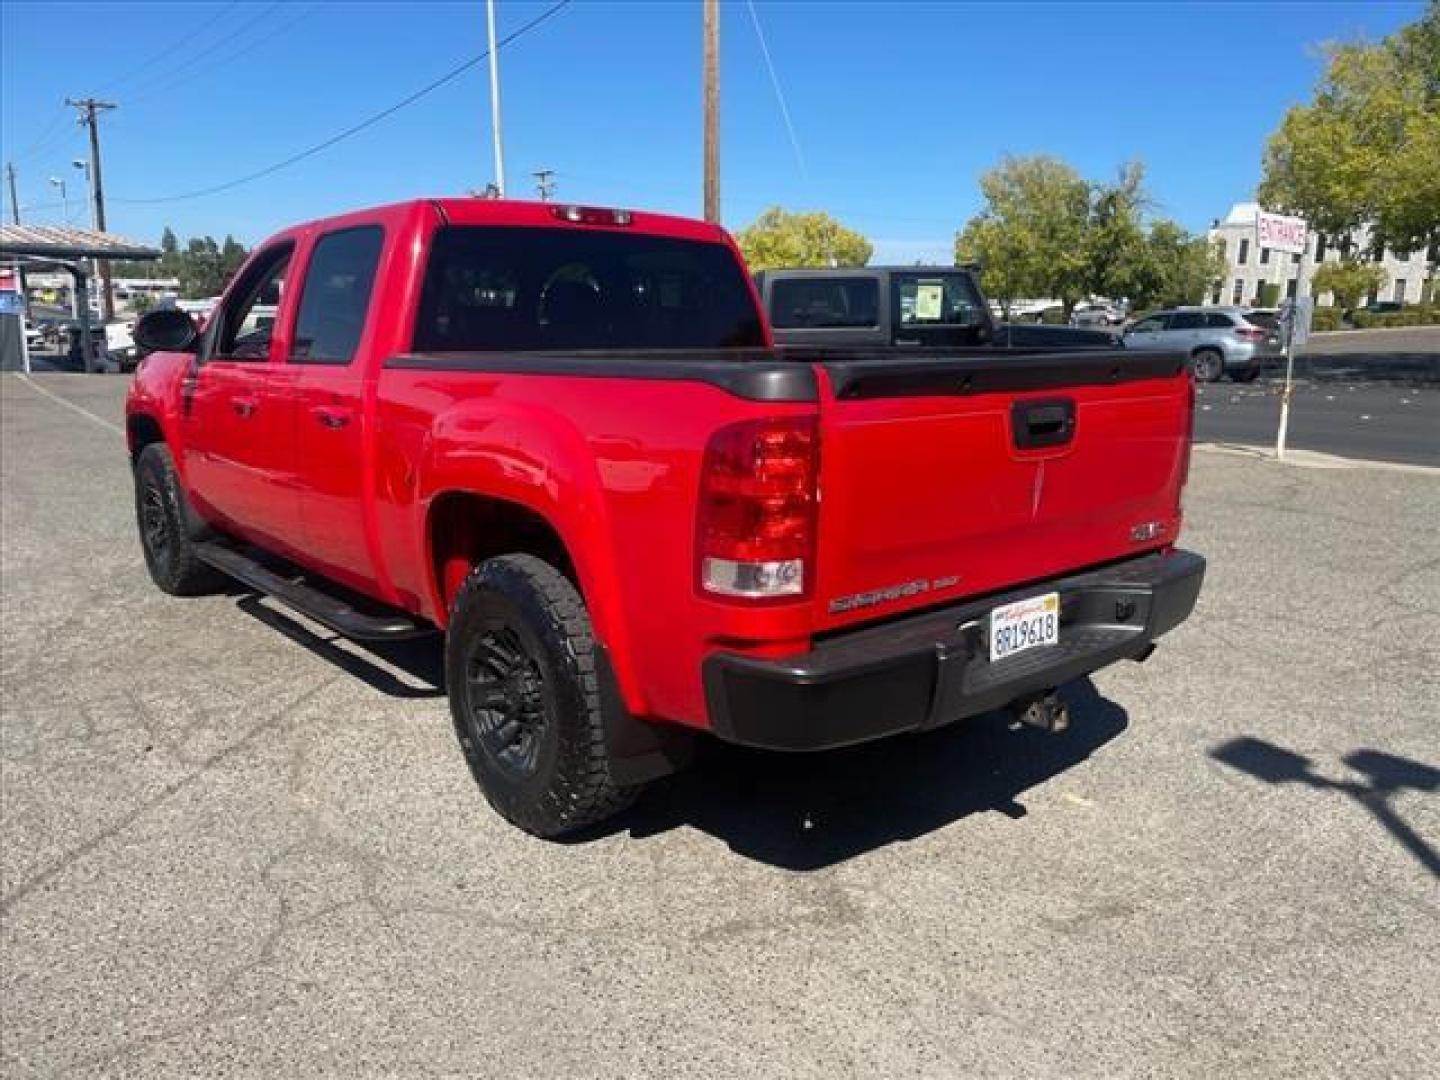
<point x="810" y="811"/>
<point x="1385" y="776"/>
<point x="377" y="664"/>
<point x="794" y="811"/>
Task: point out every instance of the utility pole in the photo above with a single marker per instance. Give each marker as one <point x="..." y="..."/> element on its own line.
<point x="495" y="99"/>
<point x="14" y="202"/>
<point x="19" y="266"/>
<point x="89" y="111"/>
<point x="712" y="110"/>
<point x="544" y="183"/>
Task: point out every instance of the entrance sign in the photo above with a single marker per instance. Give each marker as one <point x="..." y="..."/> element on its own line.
<point x="1280" y="233"/>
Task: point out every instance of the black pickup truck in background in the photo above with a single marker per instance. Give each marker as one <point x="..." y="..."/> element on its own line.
<point x="901" y="305"/>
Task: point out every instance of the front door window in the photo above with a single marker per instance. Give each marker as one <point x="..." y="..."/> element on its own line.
<point x="247" y="324"/>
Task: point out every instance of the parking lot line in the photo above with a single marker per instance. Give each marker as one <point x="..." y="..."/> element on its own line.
<point x="116" y="428"/>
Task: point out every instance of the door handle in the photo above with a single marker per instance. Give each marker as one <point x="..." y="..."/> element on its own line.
<point x="1037" y="424"/>
<point x="244" y="407"/>
<point x="332" y="418"/>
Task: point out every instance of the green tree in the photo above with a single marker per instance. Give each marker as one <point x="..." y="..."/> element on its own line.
<point x="1045" y="232"/>
<point x="1182" y="266"/>
<point x="202" y="266"/>
<point x="1118" y="258"/>
<point x="1029" y="238"/>
<point x="1367" y="148"/>
<point x="780" y="238"/>
<point x="1349" y="281"/>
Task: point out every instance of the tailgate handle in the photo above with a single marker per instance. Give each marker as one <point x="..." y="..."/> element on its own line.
<point x="1037" y="424"/>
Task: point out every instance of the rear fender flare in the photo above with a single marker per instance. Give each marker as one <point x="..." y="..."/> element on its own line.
<point x="535" y="459"/>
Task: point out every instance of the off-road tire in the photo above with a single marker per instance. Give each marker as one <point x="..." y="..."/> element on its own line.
<point x="1209" y="365"/>
<point x="534" y="737"/>
<point x="162" y="518"/>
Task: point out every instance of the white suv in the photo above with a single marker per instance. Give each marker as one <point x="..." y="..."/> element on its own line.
<point x="1220" y="340"/>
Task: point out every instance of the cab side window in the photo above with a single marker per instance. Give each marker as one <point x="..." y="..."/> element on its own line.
<point x="247" y="323"/>
<point x="335" y="295"/>
<point x="813" y="303"/>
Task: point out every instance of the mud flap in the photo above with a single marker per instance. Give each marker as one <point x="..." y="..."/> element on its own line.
<point x="639" y="751"/>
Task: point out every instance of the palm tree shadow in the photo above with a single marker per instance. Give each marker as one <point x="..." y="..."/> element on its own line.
<point x="1385" y="775"/>
<point x="809" y="811"/>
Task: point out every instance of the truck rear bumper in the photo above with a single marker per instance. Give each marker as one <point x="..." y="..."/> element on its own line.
<point x="926" y="670"/>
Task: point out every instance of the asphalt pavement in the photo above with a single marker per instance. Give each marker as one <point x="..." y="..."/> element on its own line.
<point x="1361" y="394"/>
<point x="233" y="845"/>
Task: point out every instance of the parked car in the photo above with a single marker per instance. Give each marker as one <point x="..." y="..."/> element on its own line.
<point x="560" y="435"/>
<point x="1232" y="341"/>
<point x="74" y="350"/>
<point x="120" y="344"/>
<point x="1097" y="315"/>
<point x="900" y="305"/>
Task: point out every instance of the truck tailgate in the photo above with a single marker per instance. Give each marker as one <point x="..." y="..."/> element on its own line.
<point x="950" y="477"/>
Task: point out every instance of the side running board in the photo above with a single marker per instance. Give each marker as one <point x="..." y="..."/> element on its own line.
<point x="310" y="601"/>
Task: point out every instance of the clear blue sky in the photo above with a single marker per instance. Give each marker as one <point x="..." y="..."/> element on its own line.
<point x="897" y="107"/>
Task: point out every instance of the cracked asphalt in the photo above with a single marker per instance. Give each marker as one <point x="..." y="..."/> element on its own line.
<point x="231" y="845"/>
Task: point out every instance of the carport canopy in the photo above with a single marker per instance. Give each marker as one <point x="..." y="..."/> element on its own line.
<point x="44" y="247"/>
<point x="59" y="244"/>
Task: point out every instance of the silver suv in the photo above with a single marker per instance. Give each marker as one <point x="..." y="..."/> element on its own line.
<point x="1234" y="341"/>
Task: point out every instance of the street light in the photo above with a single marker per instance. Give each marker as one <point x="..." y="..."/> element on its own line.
<point x="84" y="166"/>
<point x="64" y="200"/>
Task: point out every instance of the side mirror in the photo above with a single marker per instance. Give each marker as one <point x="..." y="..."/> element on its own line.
<point x="166" y="330"/>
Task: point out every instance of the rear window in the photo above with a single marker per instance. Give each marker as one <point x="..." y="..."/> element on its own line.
<point x="816" y="303"/>
<point x="936" y="300"/>
<point x="336" y="295"/>
<point x="554" y="288"/>
<point x="1266" y="319"/>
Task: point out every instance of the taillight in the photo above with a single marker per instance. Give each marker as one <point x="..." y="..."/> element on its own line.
<point x="755" y="533"/>
<point x="591" y="215"/>
<point x="1249" y="333"/>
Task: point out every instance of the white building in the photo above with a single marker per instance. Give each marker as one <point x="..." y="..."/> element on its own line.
<point x="1247" y="266"/>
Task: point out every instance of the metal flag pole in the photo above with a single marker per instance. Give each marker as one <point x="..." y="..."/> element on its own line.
<point x="495" y="99"/>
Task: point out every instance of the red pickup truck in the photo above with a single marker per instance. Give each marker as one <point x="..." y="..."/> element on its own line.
<point x="562" y="436"/>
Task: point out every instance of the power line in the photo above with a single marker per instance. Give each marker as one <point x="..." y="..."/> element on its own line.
<point x="47" y="137"/>
<point x="171" y="49"/>
<point x="181" y="69"/>
<point x="356" y="128"/>
<point x="231" y="57"/>
<point x="779" y="93"/>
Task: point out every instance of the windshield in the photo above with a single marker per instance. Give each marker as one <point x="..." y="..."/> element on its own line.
<point x="489" y="288"/>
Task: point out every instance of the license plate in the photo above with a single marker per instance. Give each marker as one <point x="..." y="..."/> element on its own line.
<point x="1025" y="624"/>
